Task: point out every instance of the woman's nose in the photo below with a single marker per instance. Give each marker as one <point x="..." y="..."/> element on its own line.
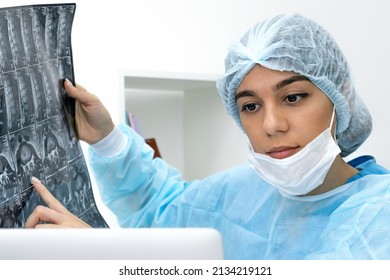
<point x="274" y="121"/>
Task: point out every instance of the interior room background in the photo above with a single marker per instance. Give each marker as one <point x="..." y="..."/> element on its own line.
<point x="159" y="60"/>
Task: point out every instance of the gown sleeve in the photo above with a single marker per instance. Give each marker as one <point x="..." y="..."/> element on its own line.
<point x="135" y="186"/>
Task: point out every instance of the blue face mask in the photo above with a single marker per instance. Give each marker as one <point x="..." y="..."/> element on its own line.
<point x="302" y="172"/>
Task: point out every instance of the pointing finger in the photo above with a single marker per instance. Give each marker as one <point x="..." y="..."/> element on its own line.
<point x="47" y="197"/>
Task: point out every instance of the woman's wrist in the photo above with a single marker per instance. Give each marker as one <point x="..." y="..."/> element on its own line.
<point x="111" y="145"/>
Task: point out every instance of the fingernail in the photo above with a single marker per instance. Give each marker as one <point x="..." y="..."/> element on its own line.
<point x="35" y="180"/>
<point x="68" y="82"/>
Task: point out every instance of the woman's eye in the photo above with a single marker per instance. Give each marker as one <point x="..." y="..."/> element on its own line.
<point x="250" y="107"/>
<point x="294" y="98"/>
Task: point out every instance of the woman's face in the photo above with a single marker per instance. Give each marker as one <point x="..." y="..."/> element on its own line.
<point x="281" y="112"/>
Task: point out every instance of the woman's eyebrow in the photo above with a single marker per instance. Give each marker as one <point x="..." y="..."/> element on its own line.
<point x="244" y="93"/>
<point x="290" y="80"/>
<point x="281" y="84"/>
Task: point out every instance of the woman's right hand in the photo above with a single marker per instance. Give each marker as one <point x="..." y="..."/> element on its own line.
<point x="55" y="215"/>
<point x="93" y="121"/>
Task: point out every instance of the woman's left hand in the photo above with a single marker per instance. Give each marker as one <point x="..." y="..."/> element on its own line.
<point x="55" y="215"/>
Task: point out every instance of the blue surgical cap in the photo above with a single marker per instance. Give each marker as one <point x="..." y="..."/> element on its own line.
<point x="297" y="44"/>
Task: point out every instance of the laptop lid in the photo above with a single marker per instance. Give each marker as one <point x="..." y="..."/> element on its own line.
<point x="111" y="244"/>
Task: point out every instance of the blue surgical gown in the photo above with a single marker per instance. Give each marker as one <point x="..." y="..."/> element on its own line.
<point x="255" y="220"/>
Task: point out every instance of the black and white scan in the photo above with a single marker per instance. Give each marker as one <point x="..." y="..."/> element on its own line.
<point x="37" y="131"/>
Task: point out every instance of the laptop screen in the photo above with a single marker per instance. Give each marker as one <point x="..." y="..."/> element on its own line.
<point x="111" y="244"/>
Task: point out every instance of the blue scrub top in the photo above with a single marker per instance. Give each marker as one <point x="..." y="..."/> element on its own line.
<point x="255" y="220"/>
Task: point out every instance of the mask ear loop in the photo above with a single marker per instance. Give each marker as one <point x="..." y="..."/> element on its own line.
<point x="331" y="124"/>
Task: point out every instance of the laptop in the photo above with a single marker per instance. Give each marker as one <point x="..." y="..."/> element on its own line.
<point x="111" y="244"/>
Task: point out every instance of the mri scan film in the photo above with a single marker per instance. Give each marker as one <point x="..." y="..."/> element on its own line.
<point x="37" y="132"/>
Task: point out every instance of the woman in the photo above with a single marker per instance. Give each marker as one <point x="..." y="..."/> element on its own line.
<point x="289" y="88"/>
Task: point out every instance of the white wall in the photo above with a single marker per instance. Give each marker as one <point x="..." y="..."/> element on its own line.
<point x="160" y="116"/>
<point x="191" y="36"/>
<point x="213" y="142"/>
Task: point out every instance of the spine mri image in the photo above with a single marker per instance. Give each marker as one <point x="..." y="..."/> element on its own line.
<point x="37" y="134"/>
